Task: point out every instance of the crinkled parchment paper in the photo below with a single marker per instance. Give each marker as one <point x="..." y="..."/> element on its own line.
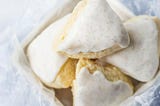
<point x="18" y="87"/>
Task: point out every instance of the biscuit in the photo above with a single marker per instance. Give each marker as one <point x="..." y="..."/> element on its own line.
<point x="90" y="35"/>
<point x="46" y="63"/>
<point x="140" y="60"/>
<point x="100" y="86"/>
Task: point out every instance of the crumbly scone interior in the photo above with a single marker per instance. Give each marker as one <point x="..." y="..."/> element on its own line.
<point x="111" y="73"/>
<point x="93" y="55"/>
<point x="52" y="68"/>
<point x="66" y="75"/>
<point x="68" y="71"/>
<point x="98" y="83"/>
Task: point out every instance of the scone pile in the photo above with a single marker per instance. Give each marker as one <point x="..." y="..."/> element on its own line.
<point x="95" y="50"/>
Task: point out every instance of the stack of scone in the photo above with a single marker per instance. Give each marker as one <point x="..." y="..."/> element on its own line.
<point x="95" y="50"/>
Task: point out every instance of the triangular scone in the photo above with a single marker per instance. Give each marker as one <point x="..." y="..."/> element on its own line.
<point x="100" y="86"/>
<point x="93" y="30"/>
<point x="54" y="69"/>
<point x="140" y="60"/>
<point x="123" y="12"/>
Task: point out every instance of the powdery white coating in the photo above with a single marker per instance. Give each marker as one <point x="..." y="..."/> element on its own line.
<point x="13" y="89"/>
<point x="95" y="90"/>
<point x="60" y="10"/>
<point x="44" y="60"/>
<point x="123" y="12"/>
<point x="140" y="59"/>
<point x="96" y="28"/>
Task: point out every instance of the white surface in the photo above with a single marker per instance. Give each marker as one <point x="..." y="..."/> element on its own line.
<point x="95" y="90"/>
<point x="45" y="61"/>
<point x="144" y="40"/>
<point x="17" y="18"/>
<point x="96" y="28"/>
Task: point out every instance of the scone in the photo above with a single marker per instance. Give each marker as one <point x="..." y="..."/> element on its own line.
<point x="100" y="86"/>
<point x="157" y="21"/>
<point x="55" y="13"/>
<point x="54" y="69"/>
<point x="94" y="30"/>
<point x="140" y="60"/>
<point x="123" y="12"/>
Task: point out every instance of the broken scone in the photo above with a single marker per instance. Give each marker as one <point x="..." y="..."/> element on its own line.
<point x="53" y="69"/>
<point x="93" y="31"/>
<point x="140" y="60"/>
<point x="100" y="86"/>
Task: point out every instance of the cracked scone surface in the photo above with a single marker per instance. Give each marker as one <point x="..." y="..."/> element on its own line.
<point x="99" y="86"/>
<point x="90" y="35"/>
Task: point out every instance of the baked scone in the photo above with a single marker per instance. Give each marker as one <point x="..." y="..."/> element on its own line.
<point x="54" y="69"/>
<point x="94" y="30"/>
<point x="123" y="12"/>
<point x="140" y="60"/>
<point x="157" y="21"/>
<point x="55" y="13"/>
<point x="99" y="86"/>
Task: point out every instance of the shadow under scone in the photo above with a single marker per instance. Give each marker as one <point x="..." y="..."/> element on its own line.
<point x="65" y="96"/>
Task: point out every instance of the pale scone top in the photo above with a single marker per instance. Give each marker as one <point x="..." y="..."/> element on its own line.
<point x="92" y="28"/>
<point x="96" y="85"/>
<point x="53" y="69"/>
<point x="141" y="59"/>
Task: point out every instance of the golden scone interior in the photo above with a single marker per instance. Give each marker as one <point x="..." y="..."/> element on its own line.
<point x="66" y="75"/>
<point x="112" y="73"/>
<point x="52" y="68"/>
<point x="97" y="85"/>
<point x="94" y="55"/>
